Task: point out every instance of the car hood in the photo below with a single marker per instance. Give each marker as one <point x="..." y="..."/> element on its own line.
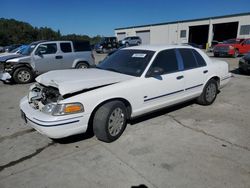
<point x="20" y="59"/>
<point x="74" y="80"/>
<point x="8" y="56"/>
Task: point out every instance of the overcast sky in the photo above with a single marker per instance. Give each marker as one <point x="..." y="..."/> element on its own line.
<point x="94" y="17"/>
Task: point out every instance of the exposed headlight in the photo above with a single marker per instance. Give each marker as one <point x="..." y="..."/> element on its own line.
<point x="49" y="108"/>
<point x="62" y="109"/>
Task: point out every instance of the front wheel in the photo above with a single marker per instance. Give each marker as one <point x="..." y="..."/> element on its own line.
<point x="209" y="93"/>
<point x="110" y="121"/>
<point x="23" y="75"/>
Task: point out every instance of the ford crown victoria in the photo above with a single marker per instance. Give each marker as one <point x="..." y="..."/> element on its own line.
<point x="131" y="82"/>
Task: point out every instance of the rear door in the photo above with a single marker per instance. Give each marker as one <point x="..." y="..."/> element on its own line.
<point x="194" y="70"/>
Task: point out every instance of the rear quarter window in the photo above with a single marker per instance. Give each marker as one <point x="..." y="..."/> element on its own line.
<point x="201" y="62"/>
<point x="188" y="58"/>
<point x="80" y="46"/>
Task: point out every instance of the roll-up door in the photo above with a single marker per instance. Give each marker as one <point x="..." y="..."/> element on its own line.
<point x="144" y="35"/>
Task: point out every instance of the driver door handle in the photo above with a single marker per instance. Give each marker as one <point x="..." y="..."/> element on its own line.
<point x="59" y="57"/>
<point x="179" y="77"/>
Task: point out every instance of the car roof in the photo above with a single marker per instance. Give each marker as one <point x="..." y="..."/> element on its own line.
<point x="157" y="47"/>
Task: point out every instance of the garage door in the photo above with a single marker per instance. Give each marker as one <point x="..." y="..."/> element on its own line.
<point x="121" y="36"/>
<point x="144" y="35"/>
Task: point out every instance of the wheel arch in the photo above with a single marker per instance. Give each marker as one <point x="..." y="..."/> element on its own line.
<point x="216" y="78"/>
<point x="79" y="61"/>
<point x="125" y="101"/>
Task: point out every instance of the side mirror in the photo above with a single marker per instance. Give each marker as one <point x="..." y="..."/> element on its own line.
<point x="39" y="53"/>
<point x="155" y="71"/>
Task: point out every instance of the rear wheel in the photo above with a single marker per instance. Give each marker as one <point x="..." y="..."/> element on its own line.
<point x="82" y="65"/>
<point x="110" y="121"/>
<point x="209" y="93"/>
<point x="23" y="75"/>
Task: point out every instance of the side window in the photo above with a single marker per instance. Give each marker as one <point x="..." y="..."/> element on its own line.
<point x="46" y="49"/>
<point x="66" y="47"/>
<point x="201" y="62"/>
<point x="248" y="42"/>
<point x="188" y="58"/>
<point x="166" y="60"/>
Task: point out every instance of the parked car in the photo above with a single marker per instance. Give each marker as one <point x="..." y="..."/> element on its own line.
<point x="232" y="47"/>
<point x="11" y="47"/>
<point x="244" y="64"/>
<point x="106" y="44"/>
<point x="46" y="56"/>
<point x="131" y="82"/>
<point x="130" y="41"/>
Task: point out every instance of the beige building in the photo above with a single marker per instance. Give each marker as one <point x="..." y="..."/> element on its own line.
<point x="199" y="31"/>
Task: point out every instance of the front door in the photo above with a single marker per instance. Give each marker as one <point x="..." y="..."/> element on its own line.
<point x="165" y="89"/>
<point x="46" y="57"/>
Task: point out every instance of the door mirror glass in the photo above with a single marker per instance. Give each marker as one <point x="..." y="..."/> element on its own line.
<point x="155" y="71"/>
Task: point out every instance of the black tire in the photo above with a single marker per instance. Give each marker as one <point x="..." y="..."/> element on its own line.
<point x="236" y="53"/>
<point x="138" y="43"/>
<point x="216" y="55"/>
<point x="114" y="111"/>
<point x="209" y="93"/>
<point x="82" y="65"/>
<point x="23" y="75"/>
<point x="241" y="71"/>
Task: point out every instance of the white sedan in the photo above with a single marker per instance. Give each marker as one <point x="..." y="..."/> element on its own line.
<point x="131" y="82"/>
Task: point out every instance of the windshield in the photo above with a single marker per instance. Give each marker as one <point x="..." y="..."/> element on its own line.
<point x="19" y="49"/>
<point x="231" y="41"/>
<point x="130" y="62"/>
<point x="28" y="49"/>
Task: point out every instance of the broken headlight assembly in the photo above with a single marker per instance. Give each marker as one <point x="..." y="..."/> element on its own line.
<point x="62" y="109"/>
<point x="8" y="66"/>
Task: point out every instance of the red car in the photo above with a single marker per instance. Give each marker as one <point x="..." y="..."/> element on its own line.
<point x="232" y="47"/>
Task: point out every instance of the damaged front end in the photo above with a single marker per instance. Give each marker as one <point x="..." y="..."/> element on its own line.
<point x="4" y="74"/>
<point x="47" y="98"/>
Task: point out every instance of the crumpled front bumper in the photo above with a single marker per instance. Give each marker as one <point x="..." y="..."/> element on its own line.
<point x="4" y="76"/>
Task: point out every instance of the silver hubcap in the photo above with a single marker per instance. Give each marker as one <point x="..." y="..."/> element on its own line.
<point x="23" y="76"/>
<point x="82" y="66"/>
<point x="116" y="121"/>
<point x="211" y="92"/>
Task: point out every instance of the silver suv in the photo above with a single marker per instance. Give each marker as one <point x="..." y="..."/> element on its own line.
<point x="41" y="57"/>
<point x="131" y="41"/>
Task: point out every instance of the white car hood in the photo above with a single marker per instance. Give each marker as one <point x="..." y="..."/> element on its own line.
<point x="73" y="80"/>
